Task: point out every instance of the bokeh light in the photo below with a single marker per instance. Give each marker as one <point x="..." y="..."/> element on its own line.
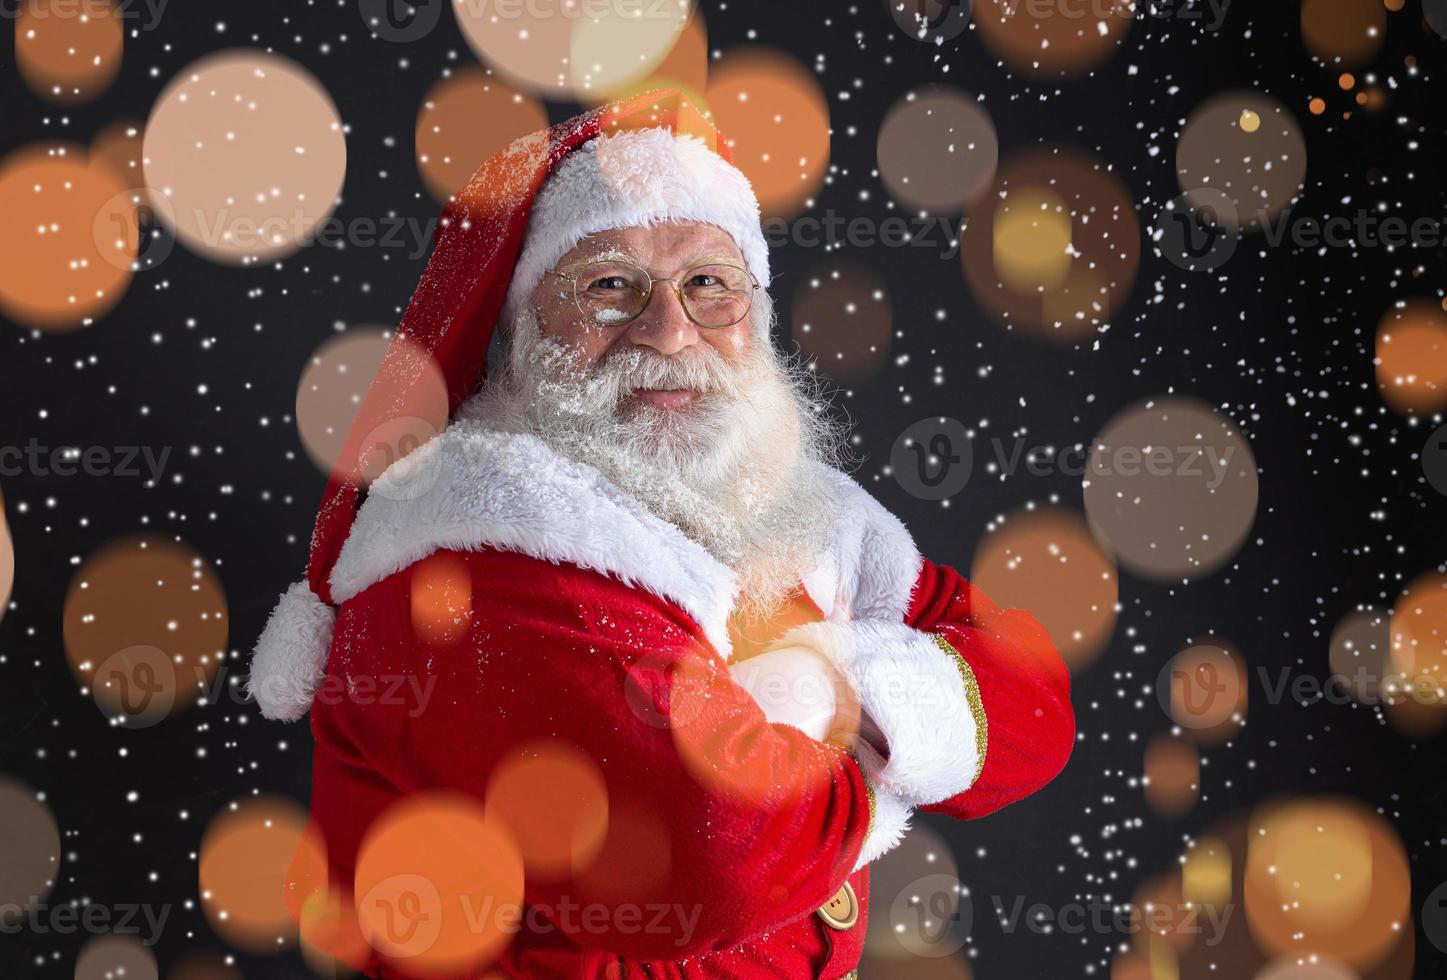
<point x="246" y="856"/>
<point x="29" y="850"/>
<point x="115" y="957"/>
<point x="119" y="147"/>
<point x="1415" y="691"/>
<point x="684" y="68"/>
<point x="7" y="561"/>
<point x="68" y="52"/>
<point x="1358" y="652"/>
<point x="937" y="150"/>
<point x="1326" y="876"/>
<point x="1316" y="969"/>
<point x="1247" y="146"/>
<point x="1057" y="253"/>
<point x="145" y="628"/>
<point x="1160" y="915"/>
<point x="1047" y="561"/>
<point x="1053" y="40"/>
<point x="572" y="51"/>
<point x="843" y="320"/>
<point x="203" y="965"/>
<point x="1204" y="690"/>
<point x="56" y="272"/>
<point x="1411" y="358"/>
<point x="438" y="886"/>
<point x="440" y="595"/>
<point x="1206" y="873"/>
<point x="1172" y="486"/>
<point x="773" y="114"/>
<point x="247" y="147"/>
<point x="329" y="395"/>
<point x="635" y="858"/>
<point x="918" y="907"/>
<point x="450" y="143"/>
<point x="551" y="796"/>
<point x="1343" y="32"/>
<point x="1172" y="772"/>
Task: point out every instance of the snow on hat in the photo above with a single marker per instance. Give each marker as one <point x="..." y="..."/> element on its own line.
<point x="654" y="157"/>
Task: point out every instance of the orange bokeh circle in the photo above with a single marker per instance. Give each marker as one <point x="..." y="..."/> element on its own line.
<point x="1046" y="560"/>
<point x="69" y="52"/>
<point x="438" y="886"/>
<point x="56" y="271"/>
<point x="773" y="113"/>
<point x="245" y="872"/>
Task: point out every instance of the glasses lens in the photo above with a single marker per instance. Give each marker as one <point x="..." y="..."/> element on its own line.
<point x="717" y="295"/>
<point x="610" y="292"/>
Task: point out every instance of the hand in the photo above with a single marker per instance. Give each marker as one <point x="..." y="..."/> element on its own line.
<point x="797" y="686"/>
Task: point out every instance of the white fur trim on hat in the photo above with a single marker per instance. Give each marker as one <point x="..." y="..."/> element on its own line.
<point x="290" y="660"/>
<point x="630" y="179"/>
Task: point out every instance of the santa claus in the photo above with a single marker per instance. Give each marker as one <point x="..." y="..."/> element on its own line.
<point x="649" y="564"/>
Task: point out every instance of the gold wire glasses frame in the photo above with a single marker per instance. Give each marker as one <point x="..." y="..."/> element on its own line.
<point x="727" y="307"/>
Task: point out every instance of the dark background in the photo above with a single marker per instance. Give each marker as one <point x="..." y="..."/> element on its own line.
<point x="1282" y="341"/>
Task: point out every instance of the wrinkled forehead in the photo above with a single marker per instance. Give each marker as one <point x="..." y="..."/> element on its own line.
<point x="662" y="248"/>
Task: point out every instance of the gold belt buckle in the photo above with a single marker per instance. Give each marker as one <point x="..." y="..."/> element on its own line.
<point x="841" y="911"/>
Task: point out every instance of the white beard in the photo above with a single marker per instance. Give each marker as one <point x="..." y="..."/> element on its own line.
<point x="737" y="470"/>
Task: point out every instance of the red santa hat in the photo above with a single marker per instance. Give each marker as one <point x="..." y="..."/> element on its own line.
<point x="655" y="157"/>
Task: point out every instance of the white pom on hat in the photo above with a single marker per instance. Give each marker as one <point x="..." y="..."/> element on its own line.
<point x="630" y="179"/>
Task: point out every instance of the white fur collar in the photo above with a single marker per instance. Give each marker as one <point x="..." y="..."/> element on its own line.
<point x="476" y="487"/>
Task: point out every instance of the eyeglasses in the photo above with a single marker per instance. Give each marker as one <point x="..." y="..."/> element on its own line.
<point x="612" y="293"/>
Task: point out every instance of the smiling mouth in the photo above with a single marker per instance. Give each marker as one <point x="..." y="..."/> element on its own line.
<point x="665" y="397"/>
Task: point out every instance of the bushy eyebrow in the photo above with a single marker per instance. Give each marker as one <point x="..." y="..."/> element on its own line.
<point x="715" y="258"/>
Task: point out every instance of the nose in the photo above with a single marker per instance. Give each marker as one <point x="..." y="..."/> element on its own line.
<point x="663" y="325"/>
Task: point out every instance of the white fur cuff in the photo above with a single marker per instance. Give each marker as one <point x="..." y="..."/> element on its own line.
<point x="922" y="699"/>
<point x="889" y="821"/>
<point x="290" y="660"/>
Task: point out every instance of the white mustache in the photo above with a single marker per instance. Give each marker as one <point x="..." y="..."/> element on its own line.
<point x="699" y="369"/>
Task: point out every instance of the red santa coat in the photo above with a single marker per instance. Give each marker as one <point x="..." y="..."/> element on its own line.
<point x="572" y="616"/>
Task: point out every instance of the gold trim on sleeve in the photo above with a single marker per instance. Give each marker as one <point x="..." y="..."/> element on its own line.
<point x="972" y="695"/>
<point x="869" y="792"/>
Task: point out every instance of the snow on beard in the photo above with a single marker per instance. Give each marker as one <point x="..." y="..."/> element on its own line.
<point x="737" y="469"/>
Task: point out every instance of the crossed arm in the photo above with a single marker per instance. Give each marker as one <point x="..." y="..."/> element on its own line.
<point x="757" y="821"/>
